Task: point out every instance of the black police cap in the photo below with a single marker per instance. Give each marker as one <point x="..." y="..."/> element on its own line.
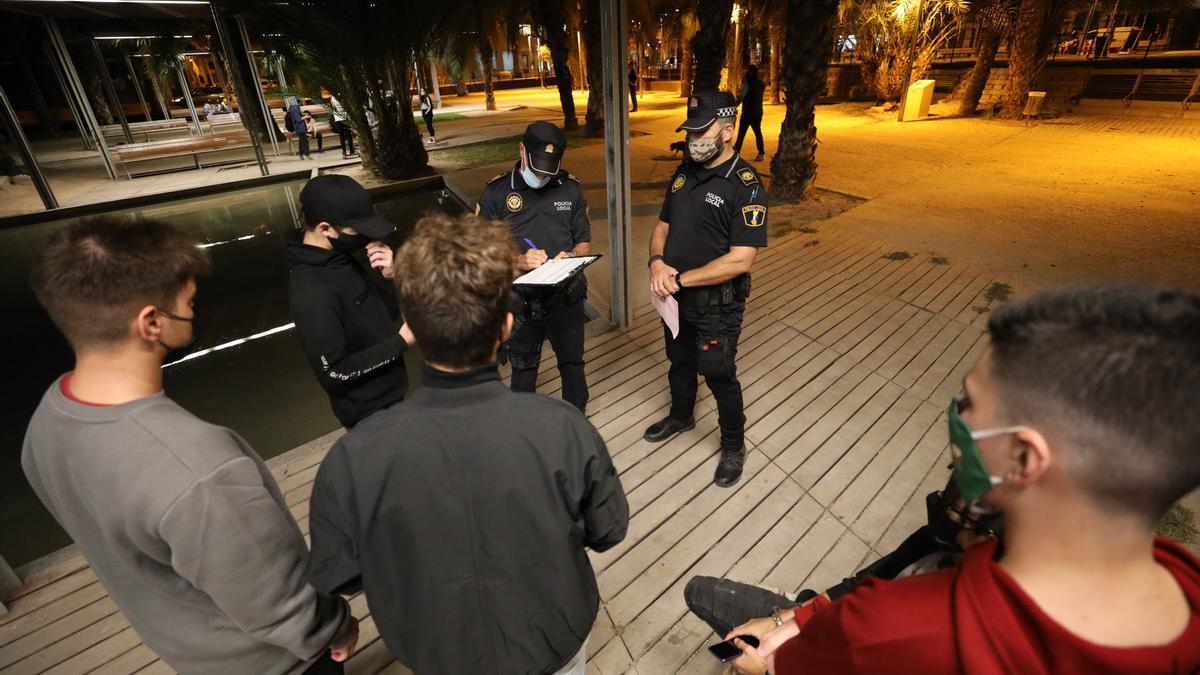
<point x="705" y="107"/>
<point x="545" y="144"/>
<point x="340" y="201"/>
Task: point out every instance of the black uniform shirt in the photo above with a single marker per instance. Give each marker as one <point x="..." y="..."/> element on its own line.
<point x="554" y="218"/>
<point x="710" y="210"/>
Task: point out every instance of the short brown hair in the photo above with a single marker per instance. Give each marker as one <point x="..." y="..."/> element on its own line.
<point x="453" y="278"/>
<point x="1111" y="371"/>
<point x="96" y="274"/>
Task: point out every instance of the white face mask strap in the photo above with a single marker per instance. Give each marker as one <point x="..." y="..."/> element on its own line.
<point x="992" y="433"/>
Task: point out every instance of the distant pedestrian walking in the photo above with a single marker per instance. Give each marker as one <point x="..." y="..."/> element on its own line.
<point x="341" y="127"/>
<point x="295" y="122"/>
<point x="427" y="113"/>
<point x="633" y="85"/>
<point x="751" y="98"/>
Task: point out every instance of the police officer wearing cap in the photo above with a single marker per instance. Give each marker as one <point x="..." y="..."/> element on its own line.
<point x="712" y="223"/>
<point x="346" y="313"/>
<point x="546" y="210"/>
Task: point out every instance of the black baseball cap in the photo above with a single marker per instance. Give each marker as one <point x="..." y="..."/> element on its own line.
<point x="705" y="107"/>
<point x="545" y="144"/>
<point x="340" y="201"/>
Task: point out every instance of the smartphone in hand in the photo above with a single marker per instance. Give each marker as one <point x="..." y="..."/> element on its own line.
<point x="727" y="651"/>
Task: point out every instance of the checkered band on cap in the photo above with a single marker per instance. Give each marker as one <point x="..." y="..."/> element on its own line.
<point x="727" y="112"/>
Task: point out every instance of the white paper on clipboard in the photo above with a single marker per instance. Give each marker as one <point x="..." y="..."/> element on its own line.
<point x="554" y="271"/>
<point x="668" y="309"/>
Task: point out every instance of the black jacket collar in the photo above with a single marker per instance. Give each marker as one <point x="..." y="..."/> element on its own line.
<point x="440" y="379"/>
<point x="299" y="254"/>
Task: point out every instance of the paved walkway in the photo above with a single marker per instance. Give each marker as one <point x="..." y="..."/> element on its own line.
<point x="848" y="359"/>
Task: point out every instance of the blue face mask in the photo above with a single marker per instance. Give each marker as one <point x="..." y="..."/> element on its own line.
<point x="534" y="180"/>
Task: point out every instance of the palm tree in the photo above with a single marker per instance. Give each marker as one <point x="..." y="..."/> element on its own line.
<point x="886" y="30"/>
<point x="554" y="17"/>
<point x="590" y="22"/>
<point x="1023" y="62"/>
<point x="808" y="43"/>
<point x="351" y="48"/>
<point x="690" y="25"/>
<point x="708" y="44"/>
<point x="994" y="21"/>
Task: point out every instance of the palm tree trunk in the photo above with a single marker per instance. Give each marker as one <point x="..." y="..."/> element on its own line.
<point x="805" y="64"/>
<point x="594" y="118"/>
<point x="985" y="53"/>
<point x="708" y="44"/>
<point x="397" y="151"/>
<point x="690" y="26"/>
<point x="1023" y="61"/>
<point x="486" y="55"/>
<point x="776" y="41"/>
<point x="552" y="16"/>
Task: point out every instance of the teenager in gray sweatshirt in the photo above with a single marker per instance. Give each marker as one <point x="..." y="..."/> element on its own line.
<point x="180" y="519"/>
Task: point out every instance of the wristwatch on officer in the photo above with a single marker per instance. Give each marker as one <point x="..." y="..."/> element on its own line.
<point x="650" y="262"/>
<point x="678" y="281"/>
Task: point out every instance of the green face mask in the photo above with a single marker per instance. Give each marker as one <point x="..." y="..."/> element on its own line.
<point x="970" y="474"/>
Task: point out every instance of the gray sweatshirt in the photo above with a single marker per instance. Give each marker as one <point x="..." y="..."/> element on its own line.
<point x="187" y="530"/>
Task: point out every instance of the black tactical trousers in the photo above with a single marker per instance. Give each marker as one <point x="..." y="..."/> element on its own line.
<point x="563" y="324"/>
<point x="700" y="324"/>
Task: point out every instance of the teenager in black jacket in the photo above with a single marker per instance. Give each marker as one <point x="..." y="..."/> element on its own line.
<point x="346" y="315"/>
<point x="466" y="512"/>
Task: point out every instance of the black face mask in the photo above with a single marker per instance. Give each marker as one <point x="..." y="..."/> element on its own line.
<point x="178" y="353"/>
<point x="349" y="243"/>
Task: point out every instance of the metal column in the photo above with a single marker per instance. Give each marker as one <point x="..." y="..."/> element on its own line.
<point x="187" y="97"/>
<point x="137" y="85"/>
<point x="35" y="172"/>
<point x="262" y="100"/>
<point x="72" y="77"/>
<point x="110" y="90"/>
<point x="614" y="29"/>
<point x="76" y="115"/>
<point x="237" y="91"/>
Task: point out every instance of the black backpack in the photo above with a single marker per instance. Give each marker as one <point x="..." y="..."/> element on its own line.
<point x="287" y="122"/>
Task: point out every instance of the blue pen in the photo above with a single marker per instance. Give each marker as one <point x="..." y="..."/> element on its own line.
<point x="531" y="244"/>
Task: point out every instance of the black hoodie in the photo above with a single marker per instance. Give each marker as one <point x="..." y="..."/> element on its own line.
<point x="347" y="325"/>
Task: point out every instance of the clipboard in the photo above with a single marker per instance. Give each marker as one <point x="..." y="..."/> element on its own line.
<point x="556" y="272"/>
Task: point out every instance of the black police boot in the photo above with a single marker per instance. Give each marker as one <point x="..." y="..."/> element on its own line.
<point x="729" y="469"/>
<point x="666" y="428"/>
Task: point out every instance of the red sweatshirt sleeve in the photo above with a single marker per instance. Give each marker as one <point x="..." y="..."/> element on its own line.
<point x="894" y="627"/>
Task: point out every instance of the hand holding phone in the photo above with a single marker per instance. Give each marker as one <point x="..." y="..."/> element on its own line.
<point x="727" y="651"/>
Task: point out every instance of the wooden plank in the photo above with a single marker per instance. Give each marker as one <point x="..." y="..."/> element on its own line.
<point x="646" y="553"/>
<point x="41" y="616"/>
<point x="879" y="513"/>
<point x="828" y="422"/>
<point x="838" y="432"/>
<point x="750" y="514"/>
<point x="869" y="482"/>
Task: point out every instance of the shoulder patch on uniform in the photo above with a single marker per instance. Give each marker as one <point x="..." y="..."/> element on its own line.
<point x="748" y="176"/>
<point x="514" y="202"/>
<point x="678" y="182"/>
<point x="754" y="215"/>
<point x="571" y="176"/>
<point x="496" y="178"/>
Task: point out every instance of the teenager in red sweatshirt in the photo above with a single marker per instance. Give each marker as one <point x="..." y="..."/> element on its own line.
<point x="1079" y="423"/>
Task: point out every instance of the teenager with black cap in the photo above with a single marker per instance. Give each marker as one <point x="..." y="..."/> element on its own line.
<point x="345" y="314"/>
<point x="548" y="215"/>
<point x="713" y="221"/>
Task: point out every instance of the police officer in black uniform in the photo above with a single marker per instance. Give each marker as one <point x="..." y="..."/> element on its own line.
<point x="713" y="222"/>
<point x="546" y="210"/>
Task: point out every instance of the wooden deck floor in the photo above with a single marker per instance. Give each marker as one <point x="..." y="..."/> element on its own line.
<point x="847" y="361"/>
